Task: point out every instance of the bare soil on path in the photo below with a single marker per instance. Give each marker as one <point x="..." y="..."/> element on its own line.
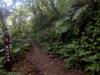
<point x="37" y="62"/>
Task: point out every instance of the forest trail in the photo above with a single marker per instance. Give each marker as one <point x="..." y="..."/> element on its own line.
<point x="36" y="62"/>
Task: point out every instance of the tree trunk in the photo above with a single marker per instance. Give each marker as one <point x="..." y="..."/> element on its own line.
<point x="54" y="8"/>
<point x="6" y="43"/>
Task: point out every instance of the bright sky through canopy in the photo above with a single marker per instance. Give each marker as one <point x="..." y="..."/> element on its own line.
<point x="8" y="2"/>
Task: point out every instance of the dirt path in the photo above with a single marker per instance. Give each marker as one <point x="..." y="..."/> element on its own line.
<point x="36" y="62"/>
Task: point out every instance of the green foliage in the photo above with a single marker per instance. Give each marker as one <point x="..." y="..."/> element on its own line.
<point x="69" y="29"/>
<point x="18" y="47"/>
<point x="13" y="73"/>
<point x="2" y="71"/>
<point x="62" y="40"/>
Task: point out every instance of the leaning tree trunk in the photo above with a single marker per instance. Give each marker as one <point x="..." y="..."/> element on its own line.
<point x="6" y="42"/>
<point x="54" y="8"/>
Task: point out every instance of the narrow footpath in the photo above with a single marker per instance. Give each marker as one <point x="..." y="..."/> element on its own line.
<point x="36" y="62"/>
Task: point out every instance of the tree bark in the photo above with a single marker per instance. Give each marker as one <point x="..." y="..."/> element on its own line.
<point x="53" y="7"/>
<point x="6" y="42"/>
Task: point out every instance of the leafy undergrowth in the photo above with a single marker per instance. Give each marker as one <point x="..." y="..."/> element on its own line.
<point x="18" y="47"/>
<point x="79" y="48"/>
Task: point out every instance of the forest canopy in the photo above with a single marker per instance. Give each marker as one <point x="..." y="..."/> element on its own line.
<point x="69" y="29"/>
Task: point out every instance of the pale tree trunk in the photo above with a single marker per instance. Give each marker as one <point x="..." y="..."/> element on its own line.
<point x="53" y="7"/>
<point x="6" y="42"/>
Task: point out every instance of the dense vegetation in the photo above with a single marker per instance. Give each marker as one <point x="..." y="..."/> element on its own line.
<point x="69" y="29"/>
